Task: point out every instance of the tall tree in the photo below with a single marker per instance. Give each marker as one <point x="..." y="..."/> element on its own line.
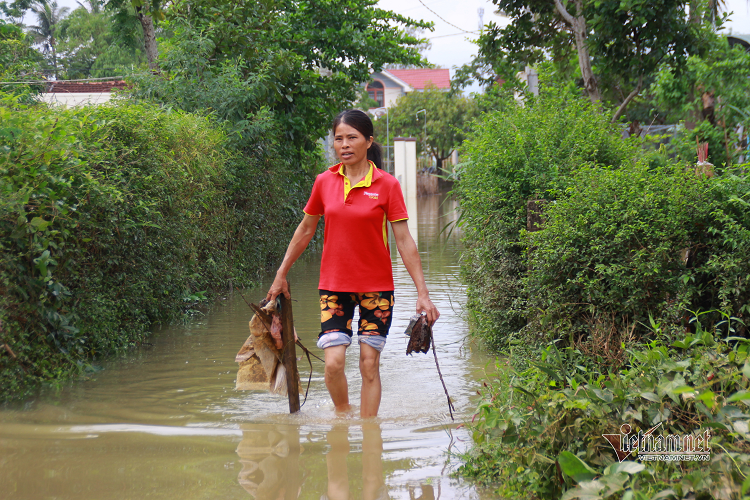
<point x="619" y="43"/>
<point x="15" y="10"/>
<point x="300" y="59"/>
<point x="89" y="47"/>
<point x="18" y="60"/>
<point x="146" y="11"/>
<point x="577" y="24"/>
<point x="712" y="92"/>
<point x="438" y="118"/>
<point x="422" y="47"/>
<point x="48" y="16"/>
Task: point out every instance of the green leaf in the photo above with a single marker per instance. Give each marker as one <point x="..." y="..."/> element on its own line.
<point x="39" y="223"/>
<point x="681" y="389"/>
<point x="587" y="490"/>
<point x="714" y="425"/>
<point x="708" y="398"/>
<point x="627" y="467"/>
<point x="738" y="396"/>
<point x="746" y="369"/>
<point x="664" y="494"/>
<point x="613" y="483"/>
<point x="574" y="467"/>
<point x="651" y="397"/>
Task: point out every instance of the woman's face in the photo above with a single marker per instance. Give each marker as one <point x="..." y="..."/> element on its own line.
<point x="350" y="145"/>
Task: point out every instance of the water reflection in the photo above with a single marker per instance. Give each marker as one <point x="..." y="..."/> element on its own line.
<point x="273" y="467"/>
<point x="269" y="456"/>
<point x="373" y="482"/>
<point x="426" y="492"/>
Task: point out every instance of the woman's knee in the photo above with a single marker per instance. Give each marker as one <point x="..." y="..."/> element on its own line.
<point x="369" y="367"/>
<point x="334" y="369"/>
<point x="335" y="361"/>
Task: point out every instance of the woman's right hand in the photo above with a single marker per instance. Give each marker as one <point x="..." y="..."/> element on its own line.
<point x="280" y="285"/>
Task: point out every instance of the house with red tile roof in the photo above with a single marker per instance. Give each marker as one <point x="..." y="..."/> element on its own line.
<point x="388" y="85"/>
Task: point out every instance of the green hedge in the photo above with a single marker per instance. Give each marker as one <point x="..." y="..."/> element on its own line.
<point x="518" y="153"/>
<point x="624" y="249"/>
<point x="629" y="304"/>
<point x="628" y="236"/>
<point x="116" y="217"/>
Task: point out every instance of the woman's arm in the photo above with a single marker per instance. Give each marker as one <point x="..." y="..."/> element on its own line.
<point x="302" y="236"/>
<point x="410" y="255"/>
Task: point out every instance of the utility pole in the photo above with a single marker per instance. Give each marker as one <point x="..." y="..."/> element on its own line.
<point x="480" y="11"/>
<point x="425" y="121"/>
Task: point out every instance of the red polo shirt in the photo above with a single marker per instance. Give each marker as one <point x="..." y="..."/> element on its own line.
<point x="356" y="257"/>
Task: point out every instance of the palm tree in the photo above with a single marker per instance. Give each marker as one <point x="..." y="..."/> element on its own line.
<point x="714" y="6"/>
<point x="94" y="6"/>
<point x="48" y="15"/>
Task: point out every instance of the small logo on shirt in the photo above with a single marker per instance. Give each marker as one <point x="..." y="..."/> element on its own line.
<point x="373" y="196"/>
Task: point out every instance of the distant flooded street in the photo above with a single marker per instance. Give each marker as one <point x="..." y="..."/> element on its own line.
<point x="166" y="422"/>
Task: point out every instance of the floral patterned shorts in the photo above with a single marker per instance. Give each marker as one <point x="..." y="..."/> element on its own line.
<point x="337" y="312"/>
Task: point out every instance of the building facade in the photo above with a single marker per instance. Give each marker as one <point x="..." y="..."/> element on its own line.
<point x="388" y="85"/>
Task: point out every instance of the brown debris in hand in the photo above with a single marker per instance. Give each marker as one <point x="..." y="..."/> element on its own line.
<point x="419" y="337"/>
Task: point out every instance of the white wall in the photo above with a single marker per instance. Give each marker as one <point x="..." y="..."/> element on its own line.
<point x="71" y="99"/>
<point x="391" y="94"/>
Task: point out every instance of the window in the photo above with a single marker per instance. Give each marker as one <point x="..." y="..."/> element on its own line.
<point x="375" y="91"/>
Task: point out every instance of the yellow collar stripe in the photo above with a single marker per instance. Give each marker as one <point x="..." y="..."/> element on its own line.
<point x="365" y="182"/>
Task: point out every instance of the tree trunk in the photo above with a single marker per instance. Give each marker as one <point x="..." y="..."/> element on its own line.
<point x="693" y="9"/>
<point x="709" y="106"/>
<point x="149" y="39"/>
<point x="578" y="26"/>
<point x="630" y="97"/>
<point x="53" y="49"/>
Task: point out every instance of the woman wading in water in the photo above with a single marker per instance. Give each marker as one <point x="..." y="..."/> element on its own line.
<point x="357" y="198"/>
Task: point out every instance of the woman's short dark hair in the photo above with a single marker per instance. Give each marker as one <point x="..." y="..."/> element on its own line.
<point x="361" y="122"/>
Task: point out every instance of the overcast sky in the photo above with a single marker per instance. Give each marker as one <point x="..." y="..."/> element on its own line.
<point x="452" y="46"/>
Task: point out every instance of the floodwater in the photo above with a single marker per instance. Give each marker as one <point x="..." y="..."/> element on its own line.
<point x="166" y="422"/>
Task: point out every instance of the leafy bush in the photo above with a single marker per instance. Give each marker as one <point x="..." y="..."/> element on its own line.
<point x="626" y="237"/>
<point x="519" y="153"/>
<point x="623" y="248"/>
<point x="713" y="89"/>
<point x="627" y="244"/>
<point x="113" y="218"/>
<point x="18" y="60"/>
<point x="539" y="431"/>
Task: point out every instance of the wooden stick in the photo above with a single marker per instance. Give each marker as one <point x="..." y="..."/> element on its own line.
<point x="289" y="355"/>
<point x="10" y="351"/>
<point x="434" y="352"/>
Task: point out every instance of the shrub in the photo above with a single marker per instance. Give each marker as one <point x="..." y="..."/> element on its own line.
<point x="635" y="245"/>
<point x="518" y="153"/>
<point x="113" y="218"/>
<point x="539" y="431"/>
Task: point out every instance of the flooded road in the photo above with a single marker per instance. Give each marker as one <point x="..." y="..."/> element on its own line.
<point x="166" y="422"/>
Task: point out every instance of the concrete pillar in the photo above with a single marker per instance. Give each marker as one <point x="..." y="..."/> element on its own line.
<point x="405" y="171"/>
<point x="532" y="80"/>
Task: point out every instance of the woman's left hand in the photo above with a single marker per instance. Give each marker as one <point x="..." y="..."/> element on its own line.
<point x="424" y="304"/>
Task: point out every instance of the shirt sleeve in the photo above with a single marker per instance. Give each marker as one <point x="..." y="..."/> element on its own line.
<point x="315" y="202"/>
<point x="396" y="208"/>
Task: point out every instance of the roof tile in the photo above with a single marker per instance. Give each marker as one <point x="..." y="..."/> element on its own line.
<point x="85" y="87"/>
<point x="419" y="78"/>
